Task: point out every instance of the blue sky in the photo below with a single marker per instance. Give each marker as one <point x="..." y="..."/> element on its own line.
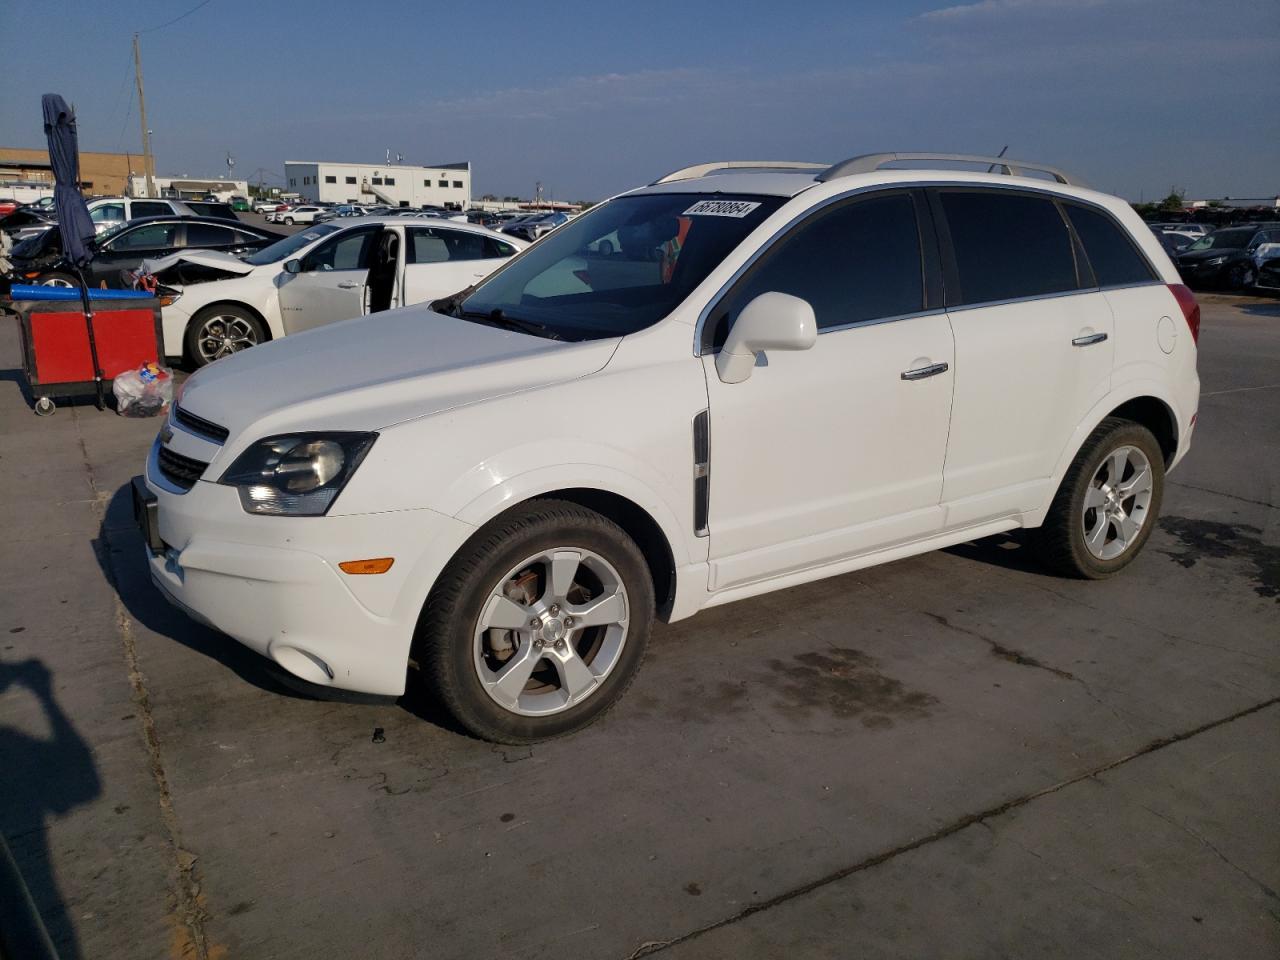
<point x="591" y="98"/>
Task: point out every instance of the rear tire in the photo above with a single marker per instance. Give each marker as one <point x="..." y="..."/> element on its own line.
<point x="56" y="278"/>
<point x="1107" y="504"/>
<point x="508" y="679"/>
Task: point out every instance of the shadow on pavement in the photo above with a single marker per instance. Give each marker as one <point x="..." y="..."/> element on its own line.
<point x="1262" y="308"/>
<point x="121" y="555"/>
<point x="119" y="544"/>
<point x="1010" y="551"/>
<point x="40" y="778"/>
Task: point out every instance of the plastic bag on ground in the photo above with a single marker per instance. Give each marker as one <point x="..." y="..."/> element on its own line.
<point x="144" y="392"/>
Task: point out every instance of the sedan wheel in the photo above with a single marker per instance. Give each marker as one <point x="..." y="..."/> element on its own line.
<point x="220" y="333"/>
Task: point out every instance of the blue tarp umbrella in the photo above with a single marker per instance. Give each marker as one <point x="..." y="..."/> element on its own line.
<point x="74" y="222"/>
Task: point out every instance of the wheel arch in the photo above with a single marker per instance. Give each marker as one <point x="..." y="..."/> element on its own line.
<point x="639" y="525"/>
<point x="644" y="517"/>
<point x="1144" y="402"/>
<point x="1157" y="416"/>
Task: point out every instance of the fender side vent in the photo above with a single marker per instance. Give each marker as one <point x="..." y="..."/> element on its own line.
<point x="701" y="473"/>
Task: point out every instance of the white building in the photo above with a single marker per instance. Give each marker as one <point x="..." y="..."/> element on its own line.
<point x="399" y="185"/>
<point x="180" y="188"/>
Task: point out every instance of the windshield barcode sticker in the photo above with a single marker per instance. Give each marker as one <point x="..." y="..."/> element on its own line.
<point x="721" y="208"/>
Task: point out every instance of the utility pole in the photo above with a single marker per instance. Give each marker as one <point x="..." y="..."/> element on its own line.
<point x="148" y="162"/>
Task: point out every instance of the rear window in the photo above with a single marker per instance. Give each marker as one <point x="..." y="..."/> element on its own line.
<point x="1008" y="245"/>
<point x="1113" y="256"/>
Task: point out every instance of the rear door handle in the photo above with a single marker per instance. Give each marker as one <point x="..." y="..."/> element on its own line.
<point x="349" y="285"/>
<point x="922" y="373"/>
<point x="1088" y="339"/>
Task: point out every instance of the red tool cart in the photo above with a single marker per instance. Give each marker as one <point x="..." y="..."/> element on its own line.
<point x="59" y="345"/>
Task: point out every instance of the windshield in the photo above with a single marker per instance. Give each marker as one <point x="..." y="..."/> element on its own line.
<point x="1224" y="239"/>
<point x="620" y="267"/>
<point x="108" y="233"/>
<point x="283" y="249"/>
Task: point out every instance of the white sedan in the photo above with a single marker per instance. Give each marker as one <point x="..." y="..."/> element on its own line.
<point x="216" y="304"/>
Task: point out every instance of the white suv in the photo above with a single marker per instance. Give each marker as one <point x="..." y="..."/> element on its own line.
<point x="771" y="373"/>
<point x="304" y="214"/>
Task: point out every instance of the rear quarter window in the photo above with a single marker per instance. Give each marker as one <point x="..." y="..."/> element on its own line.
<point x="1008" y="246"/>
<point x="1114" y="257"/>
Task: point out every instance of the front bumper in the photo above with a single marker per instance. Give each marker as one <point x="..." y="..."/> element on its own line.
<point x="273" y="583"/>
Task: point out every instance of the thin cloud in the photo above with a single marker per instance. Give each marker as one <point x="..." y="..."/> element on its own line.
<point x="991" y="8"/>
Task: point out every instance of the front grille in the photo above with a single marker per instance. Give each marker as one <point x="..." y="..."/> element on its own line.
<point x="179" y="470"/>
<point x="199" y="425"/>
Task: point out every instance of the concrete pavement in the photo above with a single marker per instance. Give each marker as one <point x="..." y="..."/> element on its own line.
<point x="953" y="755"/>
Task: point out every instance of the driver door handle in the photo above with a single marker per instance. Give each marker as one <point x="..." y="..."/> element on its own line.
<point x="349" y="285"/>
<point x="1088" y="339"/>
<point x="922" y="373"/>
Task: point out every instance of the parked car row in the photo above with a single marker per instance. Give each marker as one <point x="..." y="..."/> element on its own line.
<point x="119" y="251"/>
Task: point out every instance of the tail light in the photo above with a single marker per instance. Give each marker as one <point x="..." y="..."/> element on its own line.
<point x="1190" y="309"/>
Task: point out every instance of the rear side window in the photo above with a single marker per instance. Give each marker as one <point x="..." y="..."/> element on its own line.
<point x="1008" y="246"/>
<point x="427" y="246"/>
<point x="493" y="249"/>
<point x="1114" y="257"/>
<point x="150" y="208"/>
<point x="860" y="261"/>
<point x="208" y="235"/>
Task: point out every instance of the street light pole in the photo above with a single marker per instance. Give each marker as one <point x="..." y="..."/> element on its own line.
<point x="148" y="162"/>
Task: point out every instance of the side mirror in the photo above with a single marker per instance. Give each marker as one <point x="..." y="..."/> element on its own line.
<point x="293" y="266"/>
<point x="772" y="321"/>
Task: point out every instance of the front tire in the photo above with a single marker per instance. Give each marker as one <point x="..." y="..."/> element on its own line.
<point x="1241" y="276"/>
<point x="1107" y="504"/>
<point x="221" y="330"/>
<point x="289" y="221"/>
<point x="538" y="625"/>
<point x="58" y="279"/>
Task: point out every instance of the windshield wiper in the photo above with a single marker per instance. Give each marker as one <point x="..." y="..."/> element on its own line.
<point x="496" y="318"/>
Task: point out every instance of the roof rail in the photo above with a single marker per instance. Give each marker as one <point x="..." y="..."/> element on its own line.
<point x="702" y="169"/>
<point x="870" y="162"/>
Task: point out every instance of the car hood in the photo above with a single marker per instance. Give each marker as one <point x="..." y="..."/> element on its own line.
<point x="204" y="258"/>
<point x="1196" y="256"/>
<point x="376" y="371"/>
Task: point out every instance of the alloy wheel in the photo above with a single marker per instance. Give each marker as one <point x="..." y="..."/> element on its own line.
<point x="550" y="631"/>
<point x="223" y="335"/>
<point x="1116" y="503"/>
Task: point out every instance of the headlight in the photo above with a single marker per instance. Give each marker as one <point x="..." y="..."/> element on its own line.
<point x="297" y="475"/>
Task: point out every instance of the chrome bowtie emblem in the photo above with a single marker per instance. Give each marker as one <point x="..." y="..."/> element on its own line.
<point x="166" y="434"/>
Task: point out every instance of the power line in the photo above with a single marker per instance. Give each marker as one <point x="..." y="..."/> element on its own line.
<point x="128" y="112"/>
<point x="170" y="23"/>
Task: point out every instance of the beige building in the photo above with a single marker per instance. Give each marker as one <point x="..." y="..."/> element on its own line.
<point x="100" y="173"/>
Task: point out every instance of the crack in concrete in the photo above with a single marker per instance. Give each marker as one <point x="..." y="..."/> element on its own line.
<point x="1001" y="651"/>
<point x="1221" y="856"/>
<point x="650" y="947"/>
<point x="190" y="916"/>
<point x="1219" y="493"/>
